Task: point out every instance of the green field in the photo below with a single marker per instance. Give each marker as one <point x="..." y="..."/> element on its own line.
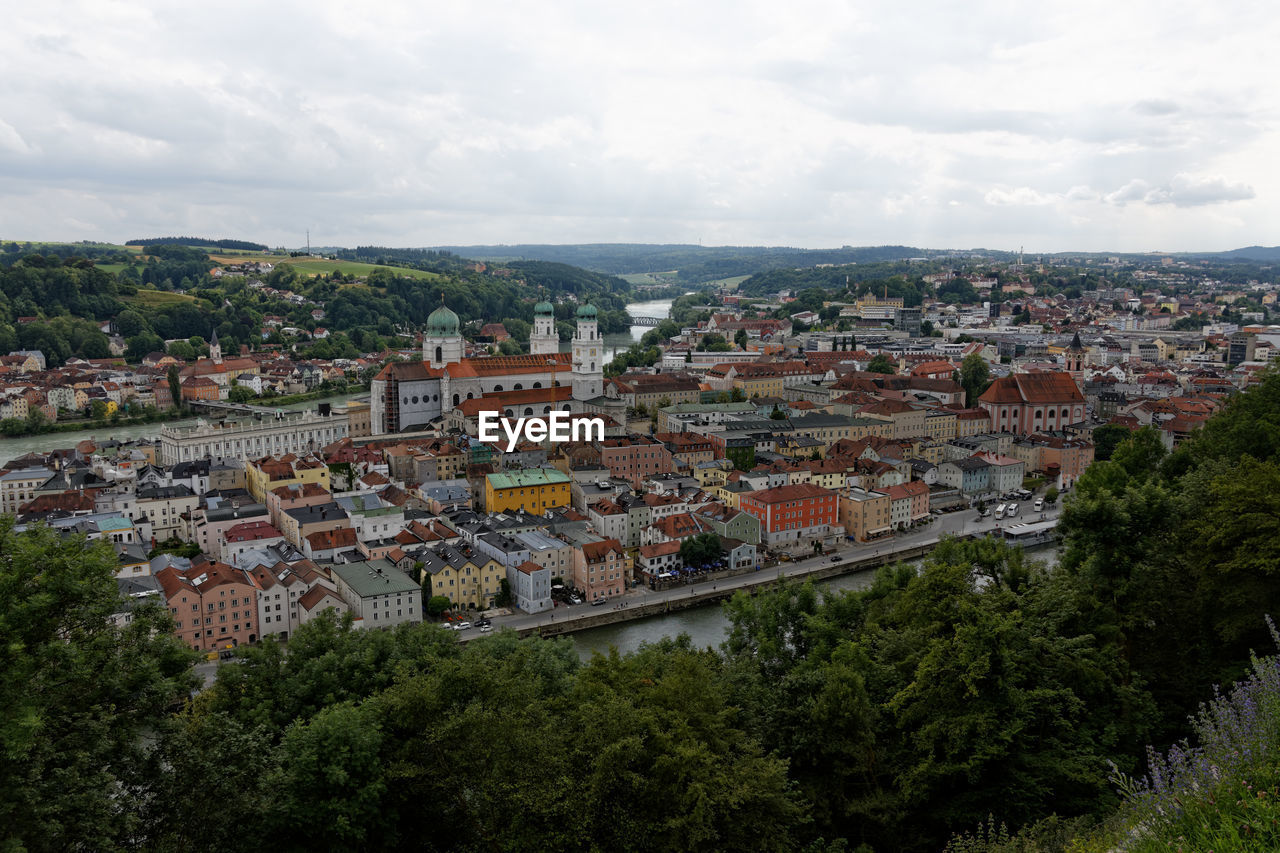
<point x="730" y="283"/>
<point x="320" y="266"/>
<point x="668" y="277"/>
<point x="158" y="297"/>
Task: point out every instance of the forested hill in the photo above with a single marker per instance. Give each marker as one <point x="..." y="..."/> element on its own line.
<point x="67" y="305"/>
<point x="693" y="263"/>
<point x="241" y="245"/>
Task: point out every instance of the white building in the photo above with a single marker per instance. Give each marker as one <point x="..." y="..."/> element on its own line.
<point x="286" y="432"/>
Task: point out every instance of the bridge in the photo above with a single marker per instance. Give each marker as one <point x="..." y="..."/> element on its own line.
<point x="233" y="408"/>
<point x="646" y="321"/>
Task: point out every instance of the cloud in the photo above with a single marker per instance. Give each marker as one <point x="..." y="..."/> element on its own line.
<point x="566" y="121"/>
<point x="1155" y="107"/>
<point x="1183" y="191"/>
<point x="1022" y="196"/>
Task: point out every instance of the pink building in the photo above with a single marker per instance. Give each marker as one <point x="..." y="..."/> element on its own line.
<point x="214" y="606"/>
<point x="635" y="459"/>
<point x="1026" y="403"/>
<point x="599" y="569"/>
<point x="915" y="499"/>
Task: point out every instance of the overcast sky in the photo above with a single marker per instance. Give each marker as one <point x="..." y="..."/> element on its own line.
<point x="1120" y="125"/>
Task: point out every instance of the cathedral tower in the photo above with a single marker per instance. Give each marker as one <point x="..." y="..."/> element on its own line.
<point x="544" y="339"/>
<point x="588" y="357"/>
<point x="442" y="342"/>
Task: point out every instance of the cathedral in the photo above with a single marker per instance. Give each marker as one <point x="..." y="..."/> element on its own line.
<point x="412" y="396"/>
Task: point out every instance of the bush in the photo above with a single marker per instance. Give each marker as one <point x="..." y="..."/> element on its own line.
<point x="1222" y="794"/>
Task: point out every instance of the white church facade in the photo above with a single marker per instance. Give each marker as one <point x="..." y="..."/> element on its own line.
<point x="408" y="396"/>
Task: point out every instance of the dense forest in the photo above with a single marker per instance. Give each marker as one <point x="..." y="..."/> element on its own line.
<point x="984" y="687"/>
<point x="240" y="245"/>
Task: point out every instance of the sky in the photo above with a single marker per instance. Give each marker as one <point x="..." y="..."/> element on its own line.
<point x="1089" y="126"/>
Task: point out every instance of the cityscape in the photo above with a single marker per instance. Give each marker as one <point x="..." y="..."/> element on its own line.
<point x="811" y="428"/>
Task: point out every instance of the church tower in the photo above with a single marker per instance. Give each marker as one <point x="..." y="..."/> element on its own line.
<point x="588" y="356"/>
<point x="544" y="339"/>
<point x="1075" y="358"/>
<point x="442" y="342"/>
<point x="215" y="348"/>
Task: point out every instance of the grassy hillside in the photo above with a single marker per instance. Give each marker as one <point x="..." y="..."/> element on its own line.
<point x="157" y="298"/>
<point x="312" y="267"/>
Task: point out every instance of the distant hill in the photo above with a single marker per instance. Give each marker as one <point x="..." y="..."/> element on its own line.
<point x="693" y="263"/>
<point x="1252" y="253"/>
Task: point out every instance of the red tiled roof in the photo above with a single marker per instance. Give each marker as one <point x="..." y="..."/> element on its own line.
<point x="596" y="551"/>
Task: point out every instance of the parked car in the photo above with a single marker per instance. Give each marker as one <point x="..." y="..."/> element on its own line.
<point x="597" y="602"/>
<point x="484" y="629"/>
<point x="462" y="626"/>
<point x="835" y="559"/>
<point x="573" y="599"/>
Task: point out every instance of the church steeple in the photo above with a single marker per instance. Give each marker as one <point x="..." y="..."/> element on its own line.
<point x="215" y="349"/>
<point x="1075" y="357"/>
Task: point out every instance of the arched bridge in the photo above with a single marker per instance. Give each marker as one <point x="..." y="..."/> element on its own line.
<point x="646" y="321"/>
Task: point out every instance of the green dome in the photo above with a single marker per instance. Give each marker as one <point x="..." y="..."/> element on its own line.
<point x="587" y="312"/>
<point x="544" y="309"/>
<point x="442" y="323"/>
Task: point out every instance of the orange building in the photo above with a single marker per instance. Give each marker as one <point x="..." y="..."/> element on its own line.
<point x="790" y="514"/>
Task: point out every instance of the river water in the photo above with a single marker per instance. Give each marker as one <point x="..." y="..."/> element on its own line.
<point x="12" y="448"/>
<point x="708" y="626"/>
<point x="620" y="341"/>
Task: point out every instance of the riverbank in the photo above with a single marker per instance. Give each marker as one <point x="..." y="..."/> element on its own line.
<point x="643" y="603"/>
<point x="126" y="429"/>
<point x="82" y="424"/>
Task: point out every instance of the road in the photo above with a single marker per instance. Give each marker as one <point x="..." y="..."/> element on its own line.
<point x="963" y="522"/>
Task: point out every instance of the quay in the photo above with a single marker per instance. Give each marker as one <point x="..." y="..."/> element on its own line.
<point x="642" y="603"/>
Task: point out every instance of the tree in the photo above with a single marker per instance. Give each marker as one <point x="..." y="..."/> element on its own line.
<point x="98" y="410"/>
<point x="975" y="376"/>
<point x="241" y="394"/>
<point x="503" y="598"/>
<point x="741" y="338"/>
<point x="80" y="698"/>
<point x="175" y="387"/>
<point x="881" y="364"/>
<point x="700" y="550"/>
<point x="1051" y="495"/>
<point x="438" y="604"/>
<point x="1107" y="438"/>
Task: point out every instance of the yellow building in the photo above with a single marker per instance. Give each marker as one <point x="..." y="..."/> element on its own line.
<point x="263" y="475"/>
<point x="711" y="474"/>
<point x="865" y="514"/>
<point x="464" y="575"/>
<point x="532" y="490"/>
<point x="940" y="424"/>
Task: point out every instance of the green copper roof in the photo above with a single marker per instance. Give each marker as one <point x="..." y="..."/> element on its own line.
<point x="587" y="312"/>
<point x="442" y="322"/>
<point x="544" y="309"/>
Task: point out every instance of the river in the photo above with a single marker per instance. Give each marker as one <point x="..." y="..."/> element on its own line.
<point x="12" y="448"/>
<point x="620" y="341"/>
<point x="708" y="626"/>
